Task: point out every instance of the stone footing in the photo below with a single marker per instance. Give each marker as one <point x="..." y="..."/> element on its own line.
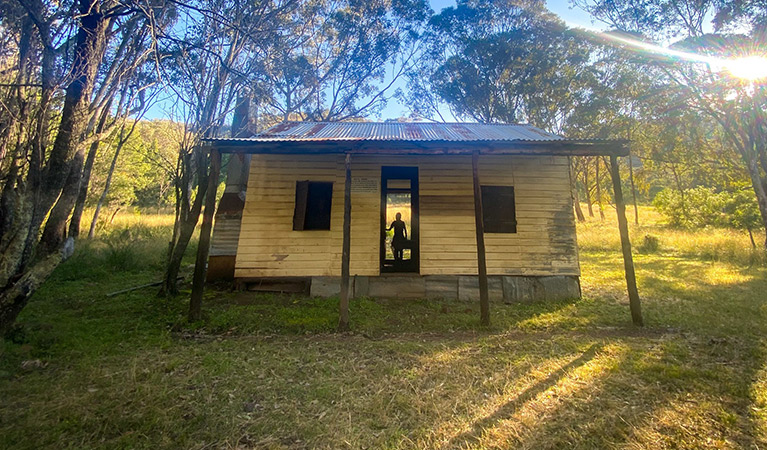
<point x="462" y="287"/>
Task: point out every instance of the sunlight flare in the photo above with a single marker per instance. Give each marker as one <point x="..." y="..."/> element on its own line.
<point x="748" y="68"/>
<point x="751" y="67"/>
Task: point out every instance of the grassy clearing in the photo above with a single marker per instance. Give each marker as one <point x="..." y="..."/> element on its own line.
<point x="266" y="371"/>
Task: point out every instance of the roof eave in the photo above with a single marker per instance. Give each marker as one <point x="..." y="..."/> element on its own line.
<point x="399" y="147"/>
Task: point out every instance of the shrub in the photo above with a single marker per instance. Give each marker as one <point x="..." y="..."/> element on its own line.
<point x="650" y="244"/>
<point x="701" y="207"/>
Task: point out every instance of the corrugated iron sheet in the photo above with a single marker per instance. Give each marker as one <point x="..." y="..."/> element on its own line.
<point x="398" y="131"/>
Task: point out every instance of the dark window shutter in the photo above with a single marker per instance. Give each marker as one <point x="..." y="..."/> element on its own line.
<point x="299" y="214"/>
<point x="498" y="210"/>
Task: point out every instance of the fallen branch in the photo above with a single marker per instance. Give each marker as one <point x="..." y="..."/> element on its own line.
<point x="135" y="288"/>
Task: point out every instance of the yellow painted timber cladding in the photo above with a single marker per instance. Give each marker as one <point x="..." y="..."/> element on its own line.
<point x="543" y="245"/>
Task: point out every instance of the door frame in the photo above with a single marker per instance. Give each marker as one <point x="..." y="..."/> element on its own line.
<point x="401" y="173"/>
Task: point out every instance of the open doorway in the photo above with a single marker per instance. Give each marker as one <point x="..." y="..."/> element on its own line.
<point x="399" y="219"/>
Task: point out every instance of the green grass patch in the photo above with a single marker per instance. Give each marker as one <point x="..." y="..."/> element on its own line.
<point x="83" y="370"/>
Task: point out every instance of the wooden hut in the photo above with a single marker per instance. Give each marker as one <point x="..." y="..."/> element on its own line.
<point x="474" y="198"/>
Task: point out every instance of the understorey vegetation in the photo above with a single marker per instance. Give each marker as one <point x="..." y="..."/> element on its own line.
<point x="83" y="369"/>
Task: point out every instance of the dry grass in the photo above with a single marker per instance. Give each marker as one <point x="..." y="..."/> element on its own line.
<point x="708" y="244"/>
<point x="262" y="372"/>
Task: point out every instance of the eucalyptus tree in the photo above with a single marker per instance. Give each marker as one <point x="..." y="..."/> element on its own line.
<point x="714" y="35"/>
<point x="506" y="61"/>
<point x="337" y="60"/>
<point x="59" y="86"/>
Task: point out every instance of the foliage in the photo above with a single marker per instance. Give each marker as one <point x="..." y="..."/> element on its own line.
<point x="500" y="61"/>
<point x="701" y="207"/>
<point x="143" y="175"/>
<point x="338" y="60"/>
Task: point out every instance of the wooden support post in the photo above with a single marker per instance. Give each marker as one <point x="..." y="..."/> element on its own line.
<point x="484" y="303"/>
<point x="628" y="261"/>
<point x="343" y="321"/>
<point x="198" y="282"/>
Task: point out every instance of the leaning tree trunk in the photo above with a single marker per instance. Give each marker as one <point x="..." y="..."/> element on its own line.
<point x="186" y="219"/>
<point x="760" y="191"/>
<point x="185" y="232"/>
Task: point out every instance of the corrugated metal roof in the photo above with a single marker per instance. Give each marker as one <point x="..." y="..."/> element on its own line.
<point x="399" y="131"/>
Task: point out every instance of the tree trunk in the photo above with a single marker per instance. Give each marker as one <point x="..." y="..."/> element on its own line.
<point x="107" y="184"/>
<point x="45" y="186"/>
<point x="760" y="191"/>
<point x="51" y="189"/>
<point x="74" y="223"/>
<point x="186" y="222"/>
<point x="574" y="193"/>
<point x="628" y="260"/>
<point x="15" y="298"/>
<point x="633" y="190"/>
<point x="89" y="51"/>
<point x="588" y="188"/>
<point x="198" y="282"/>
<point x="599" y="191"/>
<point x="577" y="204"/>
<point x="683" y="200"/>
<point x="54" y="232"/>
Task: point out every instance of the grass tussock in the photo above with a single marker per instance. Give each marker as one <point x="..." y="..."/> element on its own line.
<point x="267" y="371"/>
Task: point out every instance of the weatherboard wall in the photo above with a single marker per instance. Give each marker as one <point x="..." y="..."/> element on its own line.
<point x="543" y="245"/>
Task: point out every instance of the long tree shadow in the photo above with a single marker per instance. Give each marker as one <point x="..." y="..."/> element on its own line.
<point x="691" y="391"/>
<point x="510" y="408"/>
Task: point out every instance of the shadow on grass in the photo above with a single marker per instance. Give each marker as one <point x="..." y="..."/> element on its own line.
<point x="658" y="394"/>
<point x="508" y="409"/>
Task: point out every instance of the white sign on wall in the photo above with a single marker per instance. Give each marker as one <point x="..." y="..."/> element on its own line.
<point x="366" y="185"/>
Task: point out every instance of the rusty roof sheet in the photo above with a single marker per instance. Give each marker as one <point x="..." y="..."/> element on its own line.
<point x="399" y="131"/>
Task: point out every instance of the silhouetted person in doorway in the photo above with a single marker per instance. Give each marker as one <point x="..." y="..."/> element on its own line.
<point x="399" y="240"/>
